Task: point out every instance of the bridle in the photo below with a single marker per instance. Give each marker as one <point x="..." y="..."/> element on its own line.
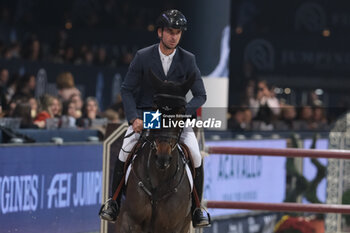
<point x="155" y="139"/>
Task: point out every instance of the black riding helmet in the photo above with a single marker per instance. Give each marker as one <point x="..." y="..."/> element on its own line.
<point x="172" y="19"/>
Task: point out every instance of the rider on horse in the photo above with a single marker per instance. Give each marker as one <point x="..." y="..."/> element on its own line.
<point x="170" y="63"/>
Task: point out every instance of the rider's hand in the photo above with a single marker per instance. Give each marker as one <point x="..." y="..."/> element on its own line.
<point x="137" y="125"/>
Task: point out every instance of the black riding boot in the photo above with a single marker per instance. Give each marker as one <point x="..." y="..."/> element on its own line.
<point x="110" y="209"/>
<point x="198" y="218"/>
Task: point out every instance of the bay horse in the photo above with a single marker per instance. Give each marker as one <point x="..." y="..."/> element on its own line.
<point x="158" y="193"/>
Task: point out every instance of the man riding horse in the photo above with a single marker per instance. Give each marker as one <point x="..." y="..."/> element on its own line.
<point x="171" y="63"/>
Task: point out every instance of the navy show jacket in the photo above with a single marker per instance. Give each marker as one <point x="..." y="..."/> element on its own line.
<point x="137" y="91"/>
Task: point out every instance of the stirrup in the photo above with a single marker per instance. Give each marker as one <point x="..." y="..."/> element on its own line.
<point x="109" y="210"/>
<point x="200" y="224"/>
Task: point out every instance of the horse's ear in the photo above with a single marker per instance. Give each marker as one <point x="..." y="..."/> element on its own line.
<point x="156" y="82"/>
<point x="186" y="86"/>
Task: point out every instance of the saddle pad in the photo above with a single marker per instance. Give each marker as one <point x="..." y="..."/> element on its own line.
<point x="188" y="171"/>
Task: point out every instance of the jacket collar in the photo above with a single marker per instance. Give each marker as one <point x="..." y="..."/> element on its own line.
<point x="157" y="64"/>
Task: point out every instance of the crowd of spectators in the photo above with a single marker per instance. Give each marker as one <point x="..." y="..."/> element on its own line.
<point x="26" y="18"/>
<point x="262" y="110"/>
<point x="31" y="48"/>
<point x="135" y="14"/>
<point x="66" y="110"/>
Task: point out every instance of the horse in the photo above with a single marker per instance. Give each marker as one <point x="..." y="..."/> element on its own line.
<point x="158" y="194"/>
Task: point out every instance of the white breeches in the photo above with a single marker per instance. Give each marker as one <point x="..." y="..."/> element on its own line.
<point x="187" y="137"/>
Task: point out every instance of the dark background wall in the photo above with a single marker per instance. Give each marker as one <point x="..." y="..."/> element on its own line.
<point x="207" y="19"/>
<point x="301" y="45"/>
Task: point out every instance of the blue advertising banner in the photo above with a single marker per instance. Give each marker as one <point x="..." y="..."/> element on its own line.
<point x="243" y="177"/>
<point x="50" y="188"/>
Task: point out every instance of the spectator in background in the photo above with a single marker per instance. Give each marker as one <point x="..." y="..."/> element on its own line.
<point x="89" y="57"/>
<point x="112" y="116"/>
<point x="69" y="114"/>
<point x="4" y="78"/>
<point x="66" y="86"/>
<point x="57" y="109"/>
<point x="287" y="118"/>
<point x="249" y="92"/>
<point x="12" y="105"/>
<point x="2" y="47"/>
<point x="319" y="118"/>
<point x="126" y="58"/>
<point x="85" y="55"/>
<point x="12" y="87"/>
<point x="118" y="107"/>
<point x="314" y="99"/>
<point x="77" y="100"/>
<point x="25" y="87"/>
<point x="248" y="117"/>
<point x="306" y="117"/>
<point x="12" y="51"/>
<point x="33" y="106"/>
<point x="59" y="47"/>
<point x="69" y="55"/>
<point x="249" y="81"/>
<point x="240" y="119"/>
<point x="3" y="103"/>
<point x="35" y="50"/>
<point x="265" y="107"/>
<point x="101" y="58"/>
<point x="90" y="112"/>
<point x="23" y="111"/>
<point x="49" y="108"/>
<point x="81" y="54"/>
<point x="264" y="98"/>
<point x="31" y="49"/>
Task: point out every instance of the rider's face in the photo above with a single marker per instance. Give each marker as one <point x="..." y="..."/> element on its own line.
<point x="170" y="37"/>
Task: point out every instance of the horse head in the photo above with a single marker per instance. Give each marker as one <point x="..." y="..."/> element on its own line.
<point x="170" y="100"/>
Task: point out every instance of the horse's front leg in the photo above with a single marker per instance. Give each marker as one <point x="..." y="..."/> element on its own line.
<point x="186" y="226"/>
<point x="125" y="224"/>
